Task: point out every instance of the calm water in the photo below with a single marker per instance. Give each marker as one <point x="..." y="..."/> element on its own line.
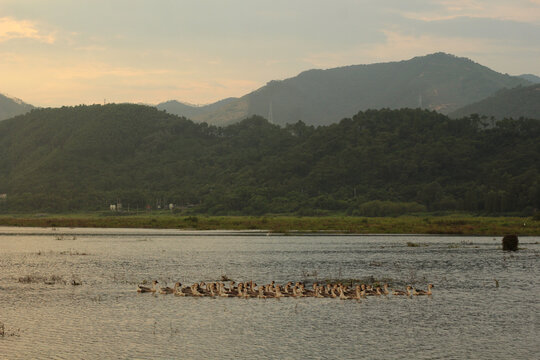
<point x="468" y="316"/>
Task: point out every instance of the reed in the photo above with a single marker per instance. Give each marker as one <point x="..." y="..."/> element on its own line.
<point x="48" y="280"/>
<point x="449" y="224"/>
<point x="224" y="277"/>
<point x="413" y="244"/>
<point x="5" y="332"/>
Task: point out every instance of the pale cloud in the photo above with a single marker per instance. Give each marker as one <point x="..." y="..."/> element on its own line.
<point x="10" y="58"/>
<point x="94" y="71"/>
<point x="214" y="61"/>
<point x="399" y="46"/>
<point x="516" y="10"/>
<point x="23" y="29"/>
<point x="90" y="48"/>
<point x="46" y="80"/>
<point x="62" y="52"/>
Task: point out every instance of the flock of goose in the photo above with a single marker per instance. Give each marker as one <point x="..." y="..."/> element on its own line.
<point x="251" y="290"/>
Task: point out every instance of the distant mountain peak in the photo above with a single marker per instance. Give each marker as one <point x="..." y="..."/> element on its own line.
<point x="521" y="101"/>
<point x="16" y="100"/>
<point x="439" y="81"/>
<point x="176" y="102"/>
<point x="441" y="54"/>
<point x="531" y="77"/>
<point x="191" y="111"/>
<point x="12" y="106"/>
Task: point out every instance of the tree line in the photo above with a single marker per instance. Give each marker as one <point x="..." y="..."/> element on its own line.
<point x="377" y="163"/>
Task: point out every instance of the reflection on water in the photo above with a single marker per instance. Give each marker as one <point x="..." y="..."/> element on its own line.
<point x="485" y="301"/>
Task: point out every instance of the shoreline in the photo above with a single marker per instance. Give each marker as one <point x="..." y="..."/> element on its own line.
<point x="454" y="225"/>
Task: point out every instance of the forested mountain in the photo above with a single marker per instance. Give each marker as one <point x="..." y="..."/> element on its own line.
<point x="506" y="103"/>
<point x="380" y="162"/>
<point x="192" y="111"/>
<point x="440" y="82"/>
<point x="10" y="107"/>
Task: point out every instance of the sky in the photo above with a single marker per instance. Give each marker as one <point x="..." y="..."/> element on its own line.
<point x="70" y="52"/>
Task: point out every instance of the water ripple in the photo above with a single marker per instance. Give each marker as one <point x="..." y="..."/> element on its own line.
<point x="484" y="306"/>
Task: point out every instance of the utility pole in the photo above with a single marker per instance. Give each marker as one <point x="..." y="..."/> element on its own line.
<point x="270" y="114"/>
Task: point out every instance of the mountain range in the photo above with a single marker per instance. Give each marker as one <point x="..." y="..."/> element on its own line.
<point x="193" y="111"/>
<point x="442" y="82"/>
<point x="522" y="101"/>
<point x="439" y="81"/>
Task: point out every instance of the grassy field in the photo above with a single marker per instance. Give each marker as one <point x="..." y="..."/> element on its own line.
<point x="450" y="224"/>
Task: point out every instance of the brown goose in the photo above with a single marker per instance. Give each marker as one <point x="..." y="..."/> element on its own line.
<point x="423" y="292"/>
<point x="342" y="295"/>
<point x="401" y="292"/>
<point x="179" y="291"/>
<point x="168" y="290"/>
<point x="146" y="289"/>
<point x="277" y="293"/>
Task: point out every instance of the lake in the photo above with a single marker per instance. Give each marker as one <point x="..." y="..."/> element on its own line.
<point x="485" y="302"/>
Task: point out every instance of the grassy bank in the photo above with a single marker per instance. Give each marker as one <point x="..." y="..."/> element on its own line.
<point x="454" y="224"/>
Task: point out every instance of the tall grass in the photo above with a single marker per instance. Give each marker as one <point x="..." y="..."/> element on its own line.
<point x="449" y="224"/>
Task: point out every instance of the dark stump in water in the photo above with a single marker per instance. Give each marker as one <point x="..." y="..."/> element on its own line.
<point x="510" y="242"/>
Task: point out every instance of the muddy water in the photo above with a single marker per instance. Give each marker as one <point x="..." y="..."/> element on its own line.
<point x="485" y="303"/>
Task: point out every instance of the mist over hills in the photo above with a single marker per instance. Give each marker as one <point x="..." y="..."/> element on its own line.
<point x="506" y="103"/>
<point x="10" y="107"/>
<point x="439" y="81"/>
<point x="530" y="77"/>
<point x="379" y="162"/>
<point x="192" y="111"/>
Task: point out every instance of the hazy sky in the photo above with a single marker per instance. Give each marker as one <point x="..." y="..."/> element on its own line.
<point x="67" y="52"/>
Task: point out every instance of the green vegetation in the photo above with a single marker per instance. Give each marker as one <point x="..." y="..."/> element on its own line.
<point x="412" y="244"/>
<point x="379" y="163"/>
<point x="507" y="103"/>
<point x="455" y="224"/>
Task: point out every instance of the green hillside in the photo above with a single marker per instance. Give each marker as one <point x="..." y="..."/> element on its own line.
<point x="440" y="82"/>
<point x="377" y="163"/>
<point x="507" y="103"/>
<point x="10" y="107"/>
